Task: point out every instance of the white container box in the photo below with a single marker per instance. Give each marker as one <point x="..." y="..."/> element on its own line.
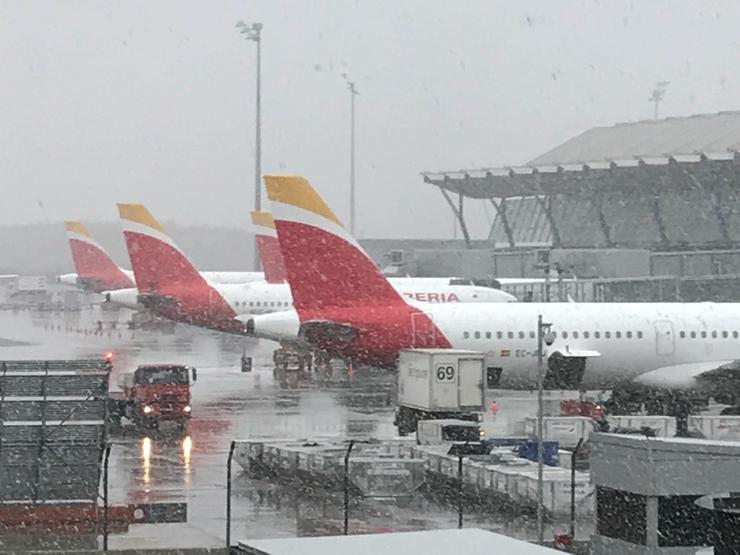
<point x="448" y="466"/>
<point x="717" y="427"/>
<point x="566" y="430"/>
<point x="664" y="426"/>
<point x="556" y="491"/>
<point x="441" y="380"/>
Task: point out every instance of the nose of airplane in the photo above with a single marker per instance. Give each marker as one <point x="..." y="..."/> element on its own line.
<point x="504" y="297"/>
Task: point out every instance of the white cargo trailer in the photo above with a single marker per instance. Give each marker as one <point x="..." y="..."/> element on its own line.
<point x="566" y="430"/>
<point x="439" y="383"/>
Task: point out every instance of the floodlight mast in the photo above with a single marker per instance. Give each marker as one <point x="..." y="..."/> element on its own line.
<point x="352" y="87"/>
<point x="657" y="95"/>
<point x="544" y="336"/>
<point x="253" y="33"/>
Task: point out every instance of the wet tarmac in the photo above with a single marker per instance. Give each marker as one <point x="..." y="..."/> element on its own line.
<point x="190" y="467"/>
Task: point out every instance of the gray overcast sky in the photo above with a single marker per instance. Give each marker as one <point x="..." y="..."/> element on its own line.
<point x="147" y="101"/>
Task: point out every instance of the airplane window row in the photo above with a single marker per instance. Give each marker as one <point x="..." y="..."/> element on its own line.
<point x="564" y="334"/>
<point x="605" y="335"/>
<point x="704" y="334"/>
<point x="599" y="335"/>
<point x="264" y="304"/>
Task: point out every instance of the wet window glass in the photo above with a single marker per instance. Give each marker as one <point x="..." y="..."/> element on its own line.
<point x="161" y="375"/>
<point x="416" y="175"/>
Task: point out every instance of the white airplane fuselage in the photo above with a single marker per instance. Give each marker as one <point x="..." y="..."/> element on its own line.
<point x="262" y="297"/>
<point x="617" y="341"/>
<point x="625" y="339"/>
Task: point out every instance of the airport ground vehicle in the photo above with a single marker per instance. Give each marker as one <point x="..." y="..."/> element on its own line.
<point x="439" y="384"/>
<point x="433" y="432"/>
<point x="154" y="393"/>
<point x="292" y="366"/>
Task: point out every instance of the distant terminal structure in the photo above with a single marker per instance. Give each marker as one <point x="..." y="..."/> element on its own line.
<point x="666" y="184"/>
<point x="654" y="199"/>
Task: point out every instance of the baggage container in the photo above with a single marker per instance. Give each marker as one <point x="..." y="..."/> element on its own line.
<point x="717" y="427"/>
<point x="529" y="450"/>
<point x="566" y="430"/>
<point x="664" y="426"/>
<point x="387" y="476"/>
<point x="448" y="466"/>
<point x="556" y="490"/>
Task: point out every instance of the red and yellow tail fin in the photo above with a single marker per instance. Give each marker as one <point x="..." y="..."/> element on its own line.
<point x="325" y="266"/>
<point x="94" y="267"/>
<point x="158" y="263"/>
<point x="269" y="247"/>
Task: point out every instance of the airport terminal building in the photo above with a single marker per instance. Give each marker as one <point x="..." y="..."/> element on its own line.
<point x="655" y="200"/>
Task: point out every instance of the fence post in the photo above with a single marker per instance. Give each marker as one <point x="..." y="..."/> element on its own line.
<point x="228" y="495"/>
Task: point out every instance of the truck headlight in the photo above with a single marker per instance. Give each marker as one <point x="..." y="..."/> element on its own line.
<point x="147" y="409"/>
<point x="481" y="432"/>
<point x="186" y="408"/>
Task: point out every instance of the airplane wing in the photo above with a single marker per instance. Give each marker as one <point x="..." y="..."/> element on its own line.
<point x="710" y="375"/>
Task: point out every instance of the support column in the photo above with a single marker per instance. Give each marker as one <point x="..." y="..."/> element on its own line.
<point x="656" y="209"/>
<point x="541" y="200"/>
<point x="598" y="201"/>
<point x="458" y="214"/>
<point x="716" y="200"/>
<point x="501" y="211"/>
<point x="651" y="524"/>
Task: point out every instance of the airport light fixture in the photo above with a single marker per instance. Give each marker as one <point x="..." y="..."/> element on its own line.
<point x="253" y="32"/>
<point x="657" y="94"/>
<point x="545" y="335"/>
<point x="352" y="87"/>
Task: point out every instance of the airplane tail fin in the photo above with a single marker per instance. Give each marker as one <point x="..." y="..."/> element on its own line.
<point x="95" y="268"/>
<point x="325" y="266"/>
<point x="269" y="247"/>
<point x="157" y="261"/>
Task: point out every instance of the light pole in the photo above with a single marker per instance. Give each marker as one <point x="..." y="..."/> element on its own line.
<point x="253" y="32"/>
<point x="352" y="87"/>
<point x="543" y="335"/>
<point x="347" y="454"/>
<point x="657" y="95"/>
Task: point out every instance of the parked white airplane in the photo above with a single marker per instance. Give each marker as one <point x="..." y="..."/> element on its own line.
<point x="169" y="284"/>
<point x="594" y="344"/>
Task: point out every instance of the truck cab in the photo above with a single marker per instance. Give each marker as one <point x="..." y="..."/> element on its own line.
<point x="158" y="392"/>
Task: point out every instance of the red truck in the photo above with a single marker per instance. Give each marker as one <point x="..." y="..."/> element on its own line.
<point x="154" y="393"/>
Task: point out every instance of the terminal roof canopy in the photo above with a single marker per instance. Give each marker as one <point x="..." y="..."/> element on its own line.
<point x="698" y="134"/>
<point x="649" y="143"/>
<point x="669" y="183"/>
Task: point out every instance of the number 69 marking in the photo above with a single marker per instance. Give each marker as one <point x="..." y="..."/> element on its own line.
<point x="445" y="373"/>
